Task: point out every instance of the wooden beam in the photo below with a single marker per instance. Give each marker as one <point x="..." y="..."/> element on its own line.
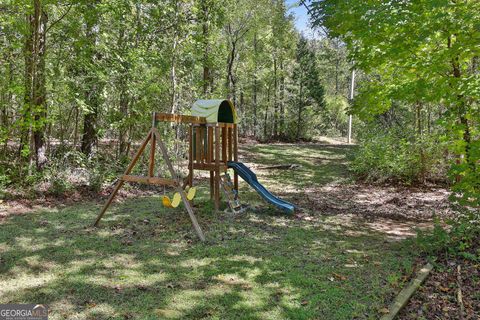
<point x="209" y="144"/>
<point x="190" y="156"/>
<point x="404" y="295"/>
<point x="235" y="155"/>
<point x="224" y="144"/>
<point x="150" y="180"/>
<point x="230" y="144"/>
<point x="178" y="187"/>
<point x="151" y="165"/>
<point x="225" y="125"/>
<point x="202" y="145"/>
<point x="198" y="147"/>
<point x="179" y="118"/>
<point x="209" y="166"/>
<point x="217" y="169"/>
<point x="120" y="181"/>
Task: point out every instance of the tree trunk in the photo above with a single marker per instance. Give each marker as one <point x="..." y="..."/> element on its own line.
<point x="300" y="109"/>
<point x="266" y="114"/>
<point x="282" y="100"/>
<point x="173" y="75"/>
<point x="39" y="86"/>
<point x="93" y="86"/>
<point x="28" y="85"/>
<point x="230" y="78"/>
<point x="124" y="97"/>
<point x="122" y="130"/>
<point x="275" y="100"/>
<point x="461" y="108"/>
<point x="206" y="61"/>
<point x="34" y="111"/>
<point x="255" y="84"/>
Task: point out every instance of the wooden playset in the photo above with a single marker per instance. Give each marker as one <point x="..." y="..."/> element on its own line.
<point x="213" y="147"/>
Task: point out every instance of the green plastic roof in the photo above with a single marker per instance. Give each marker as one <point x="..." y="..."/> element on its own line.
<point x="216" y="110"/>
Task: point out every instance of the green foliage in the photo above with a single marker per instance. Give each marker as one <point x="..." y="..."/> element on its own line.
<point x="109" y="64"/>
<point x="334" y="117"/>
<point x="417" y="53"/>
<point x="459" y="238"/>
<point x="391" y="155"/>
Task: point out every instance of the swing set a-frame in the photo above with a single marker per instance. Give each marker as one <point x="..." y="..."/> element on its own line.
<point x="212" y="144"/>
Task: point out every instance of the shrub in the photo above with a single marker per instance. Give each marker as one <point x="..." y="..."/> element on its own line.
<point x="391" y="156"/>
<point x="461" y="238"/>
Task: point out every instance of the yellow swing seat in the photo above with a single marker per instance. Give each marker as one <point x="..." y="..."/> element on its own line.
<point x="175" y="201"/>
<point x="191" y="192"/>
<point x="177" y="198"/>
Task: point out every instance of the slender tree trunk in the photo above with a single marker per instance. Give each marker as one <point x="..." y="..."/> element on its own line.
<point x="93" y="85"/>
<point x="28" y="85"/>
<point x="282" y="99"/>
<point x="124" y="97"/>
<point x="275" y="100"/>
<point x="206" y="61"/>
<point x="337" y="67"/>
<point x="230" y="78"/>
<point x="34" y="110"/>
<point x="265" y="132"/>
<point x="75" y="128"/>
<point x="39" y="86"/>
<point x="300" y="109"/>
<point x="173" y="74"/>
<point x="122" y="130"/>
<point x="255" y="84"/>
<point x="7" y="101"/>
<point x="462" y="109"/>
<point x="423" y="169"/>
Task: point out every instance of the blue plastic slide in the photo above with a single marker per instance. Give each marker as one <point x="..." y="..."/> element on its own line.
<point x="251" y="178"/>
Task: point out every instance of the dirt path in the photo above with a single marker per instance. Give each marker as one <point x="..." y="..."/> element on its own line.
<point x="320" y="183"/>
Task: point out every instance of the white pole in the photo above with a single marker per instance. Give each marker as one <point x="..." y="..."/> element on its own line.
<point x="352" y="90"/>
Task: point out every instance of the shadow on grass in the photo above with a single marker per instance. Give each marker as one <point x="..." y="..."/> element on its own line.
<point x="146" y="263"/>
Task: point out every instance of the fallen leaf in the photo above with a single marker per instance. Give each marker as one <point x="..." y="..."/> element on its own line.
<point x="339" y="276"/>
<point x="444" y="289"/>
<point x="384" y="310"/>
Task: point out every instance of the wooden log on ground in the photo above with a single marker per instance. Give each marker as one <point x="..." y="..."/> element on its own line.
<point x="404" y="295"/>
<point x="281" y="167"/>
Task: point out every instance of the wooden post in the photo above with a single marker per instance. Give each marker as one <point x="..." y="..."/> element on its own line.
<point x="190" y="156"/>
<point x="217" y="168"/>
<point x="210" y="158"/>
<point x="235" y="154"/>
<point x="202" y="145"/>
<point x="151" y="165"/>
<point x="224" y="145"/>
<point x="178" y="186"/>
<point x="120" y="181"/>
<point x="197" y="145"/>
<point x="230" y="144"/>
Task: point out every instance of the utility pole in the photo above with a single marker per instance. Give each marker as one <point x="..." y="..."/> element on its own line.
<point x="352" y="90"/>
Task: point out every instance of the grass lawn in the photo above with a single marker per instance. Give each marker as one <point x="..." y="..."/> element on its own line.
<point x="145" y="262"/>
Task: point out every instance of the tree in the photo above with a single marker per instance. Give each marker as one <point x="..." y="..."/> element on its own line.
<point x="310" y="90"/>
<point x="421" y="53"/>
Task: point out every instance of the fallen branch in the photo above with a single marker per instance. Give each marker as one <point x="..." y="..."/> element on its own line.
<point x="282" y="166"/>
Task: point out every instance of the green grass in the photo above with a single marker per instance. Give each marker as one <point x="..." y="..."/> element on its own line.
<point x="260" y="265"/>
